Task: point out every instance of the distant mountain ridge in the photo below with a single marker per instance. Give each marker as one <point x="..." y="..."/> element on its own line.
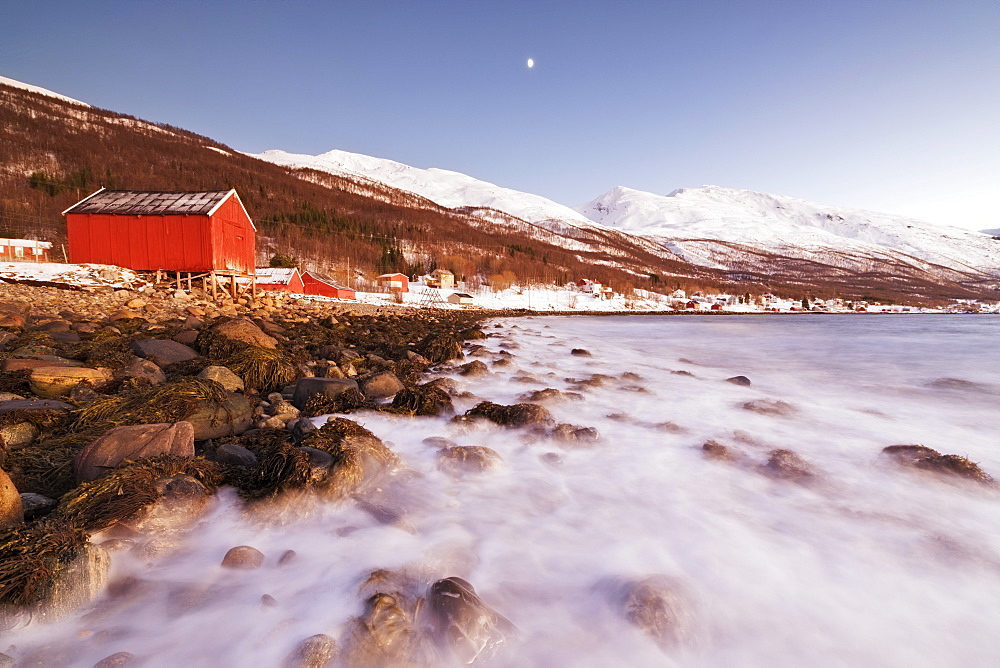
<point x="776" y="223"/>
<point x="741" y="233"/>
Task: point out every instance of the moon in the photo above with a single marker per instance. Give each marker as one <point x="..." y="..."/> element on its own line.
<point x="531" y="63"/>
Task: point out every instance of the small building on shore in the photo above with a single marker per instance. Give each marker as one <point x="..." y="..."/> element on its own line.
<point x="441" y="278"/>
<point x="394" y="282"/>
<point x="280" y="279"/>
<point x="460" y="298"/>
<point x="200" y="235"/>
<point x="322" y="285"/>
<point x="25" y="250"/>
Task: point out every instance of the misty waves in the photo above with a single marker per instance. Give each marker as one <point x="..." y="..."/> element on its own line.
<point x="710" y="491"/>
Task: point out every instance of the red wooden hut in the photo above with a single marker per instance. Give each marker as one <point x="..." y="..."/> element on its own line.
<point x="318" y="284"/>
<point x="395" y="282"/>
<point x="25" y="249"/>
<point x="280" y="279"/>
<point x="200" y="234"/>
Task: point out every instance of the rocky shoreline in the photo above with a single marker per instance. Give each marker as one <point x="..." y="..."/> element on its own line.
<point x="122" y="413"/>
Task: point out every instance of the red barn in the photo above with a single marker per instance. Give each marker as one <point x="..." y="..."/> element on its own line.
<point x="191" y="232"/>
<point x="280" y="279"/>
<point x="324" y="286"/>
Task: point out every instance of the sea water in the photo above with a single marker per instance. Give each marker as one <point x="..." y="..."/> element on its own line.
<point x="866" y="564"/>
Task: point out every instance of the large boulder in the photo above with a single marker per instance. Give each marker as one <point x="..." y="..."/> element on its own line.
<point x="226" y="337"/>
<point x="11" y="508"/>
<point x="380" y="385"/>
<point x="133" y="442"/>
<point x="229" y="418"/>
<point x="331" y="387"/>
<point x="163" y="351"/>
<point x="55" y="381"/>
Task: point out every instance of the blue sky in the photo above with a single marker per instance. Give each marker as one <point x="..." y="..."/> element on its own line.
<point x="882" y="104"/>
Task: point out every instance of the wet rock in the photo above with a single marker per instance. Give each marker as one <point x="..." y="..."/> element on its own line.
<point x="224" y="377"/>
<point x="53" y="382"/>
<point x="117" y="660"/>
<point x="909" y="454"/>
<point x="320" y="462"/>
<point x="318" y="651"/>
<point x="930" y="460"/>
<point x="464" y="624"/>
<point x="380" y="385"/>
<point x="130" y="443"/>
<point x="462" y="459"/>
<point x="550" y="394"/>
<point x="228" y="418"/>
<point x="658" y="607"/>
<point x="6" y="661"/>
<point x="739" y="380"/>
<point x="163" y="351"/>
<point x="417" y="358"/>
<point x="787" y="465"/>
<point x="36" y="505"/>
<point x="517" y="415"/>
<point x="383" y="514"/>
<point x="305" y="388"/>
<point x="243" y="557"/>
<point x="386" y="635"/>
<point x="439" y="442"/>
<point x="681" y="372"/>
<point x="954" y="465"/>
<point x="575" y="434"/>
<point x="78" y="584"/>
<point x="232" y="454"/>
<point x="302" y="428"/>
<point x="268" y="601"/>
<point x="717" y="451"/>
<point x="11" y="507"/>
<point x="142" y="368"/>
<point x="361" y="459"/>
<point x="428" y="399"/>
<point x="553" y="459"/>
<point x="180" y="500"/>
<point x="581" y="352"/>
<point x="287" y="557"/>
<point x="474" y="369"/>
<point x="777" y="408"/>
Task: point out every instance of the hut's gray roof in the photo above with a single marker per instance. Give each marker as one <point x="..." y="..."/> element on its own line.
<point x="150" y="202"/>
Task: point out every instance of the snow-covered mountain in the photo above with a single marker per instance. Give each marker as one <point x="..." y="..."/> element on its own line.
<point x="692" y="218"/>
<point x="441" y="186"/>
<point x="39" y="89"/>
